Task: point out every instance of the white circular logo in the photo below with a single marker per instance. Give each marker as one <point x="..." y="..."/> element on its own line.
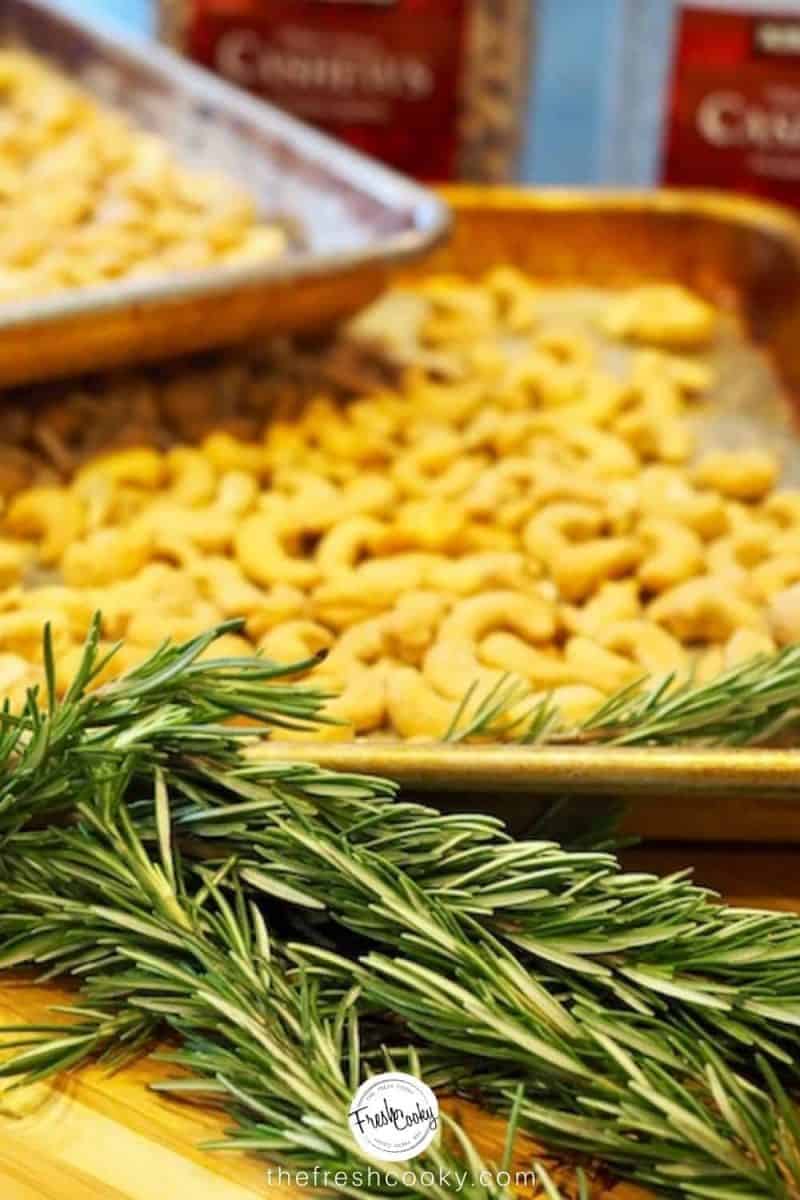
<point x="394" y="1117"/>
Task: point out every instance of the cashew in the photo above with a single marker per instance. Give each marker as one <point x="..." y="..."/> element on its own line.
<point x="16" y="675"/>
<point x="107" y="555"/>
<point x="438" y="467"/>
<point x="663" y="315"/>
<point x="784" y="615"/>
<point x="540" y="667"/>
<point x="784" y="507"/>
<point x="691" y="376"/>
<point x="594" y="665"/>
<point x="21" y="632"/>
<point x="366" y="495"/>
<point x="281" y="603"/>
<point x="673" y="553"/>
<point x="612" y="602"/>
<point x="734" y="556"/>
<point x="414" y="708"/>
<point x="369" y="589"/>
<point x="651" y="647"/>
<point x="539" y="483"/>
<point x="150" y="628"/>
<point x="654" y="429"/>
<point x="142" y="467"/>
<point x="474" y="572"/>
<point x="576" y="702"/>
<point x="342" y="547"/>
<point x="228" y="453"/>
<point x="738" y="474"/>
<point x="411" y="627"/>
<point x="295" y="641"/>
<point x="746" y="644"/>
<point x="193" y="479"/>
<point x="265" y="551"/>
<point x="774" y="575"/>
<point x="433" y="525"/>
<point x="560" y="536"/>
<point x="14" y="559"/>
<point x="361" y="705"/>
<point x="451" y="666"/>
<point x="664" y="491"/>
<point x="705" y="610"/>
<point x="352" y="669"/>
<point x="55" y="515"/>
<point x="602" y="454"/>
<point x="226" y="586"/>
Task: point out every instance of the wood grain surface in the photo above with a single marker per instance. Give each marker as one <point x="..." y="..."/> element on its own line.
<point x="101" y="1137"/>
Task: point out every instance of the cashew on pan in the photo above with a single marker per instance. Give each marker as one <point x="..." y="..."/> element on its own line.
<point x="522" y="504"/>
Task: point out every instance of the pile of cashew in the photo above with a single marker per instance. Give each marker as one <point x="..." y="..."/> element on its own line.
<point x="518" y="514"/>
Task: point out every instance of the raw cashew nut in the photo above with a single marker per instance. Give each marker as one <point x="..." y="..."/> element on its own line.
<point x="414" y="708"/>
<point x="737" y="554"/>
<point x="342" y="547"/>
<point x="371" y="588"/>
<point x="784" y="616"/>
<point x="295" y="641"/>
<point x="563" y="537"/>
<point x="612" y="602"/>
<point x="476" y="572"/>
<point x="434" y="526"/>
<point x="226" y="586"/>
<point x="437" y="467"/>
<point x="354" y="671"/>
<point x="151" y="627"/>
<point x="281" y="603"/>
<point x="784" y="507"/>
<point x="663" y="314"/>
<point x="193" y="480"/>
<point x="540" y="667"/>
<point x="673" y="553"/>
<point x="652" y="648"/>
<point x="410" y="628"/>
<point x="593" y="664"/>
<point x="142" y="467"/>
<point x="738" y="474"/>
<point x="451" y="666"/>
<point x="746" y="644"/>
<point x="55" y="515"/>
<point x="774" y="575"/>
<point x="705" y="610"/>
<point x="665" y="491"/>
<point x="266" y="549"/>
<point x="15" y="557"/>
<point x="228" y="453"/>
<point x="106" y="556"/>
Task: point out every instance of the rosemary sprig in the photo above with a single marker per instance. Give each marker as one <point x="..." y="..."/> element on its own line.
<point x="651" y="945"/>
<point x="481" y="925"/>
<point x="750" y="704"/>
<point x="280" y="1048"/>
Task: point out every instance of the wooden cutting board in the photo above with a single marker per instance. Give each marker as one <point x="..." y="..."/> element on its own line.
<point x="100" y="1137"/>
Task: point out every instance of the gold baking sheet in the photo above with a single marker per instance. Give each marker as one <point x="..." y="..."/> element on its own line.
<point x="745" y="256"/>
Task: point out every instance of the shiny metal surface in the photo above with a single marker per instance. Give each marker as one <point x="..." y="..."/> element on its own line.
<point x="350" y="219"/>
<point x="744" y="255"/>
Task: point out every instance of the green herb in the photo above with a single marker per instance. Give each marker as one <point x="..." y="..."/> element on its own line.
<point x="751" y="704"/>
<point x="629" y="1009"/>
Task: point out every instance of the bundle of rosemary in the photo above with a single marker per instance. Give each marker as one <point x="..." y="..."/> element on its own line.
<point x="297" y="928"/>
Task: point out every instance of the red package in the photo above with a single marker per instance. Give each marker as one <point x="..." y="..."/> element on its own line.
<point x="435" y="88"/>
<point x="733" y="119"/>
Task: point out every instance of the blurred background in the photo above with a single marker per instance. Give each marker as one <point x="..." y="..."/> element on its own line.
<point x="631" y="93"/>
<point x="569" y="72"/>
